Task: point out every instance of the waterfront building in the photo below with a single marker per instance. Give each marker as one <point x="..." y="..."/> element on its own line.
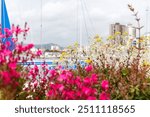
<point x="116" y="30"/>
<point x="122" y="33"/>
<point x="117" y="27"/>
<point x="55" y="47"/>
<point x="131" y="31"/>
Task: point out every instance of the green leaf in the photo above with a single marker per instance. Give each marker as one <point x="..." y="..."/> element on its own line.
<point x="125" y="72"/>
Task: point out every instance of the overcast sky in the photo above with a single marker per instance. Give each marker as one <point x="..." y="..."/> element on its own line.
<point x="60" y="17"/>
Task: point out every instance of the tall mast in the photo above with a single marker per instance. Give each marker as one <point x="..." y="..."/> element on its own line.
<point x="147" y="20"/>
<point x="81" y="31"/>
<point x="41" y="26"/>
<point x="79" y="24"/>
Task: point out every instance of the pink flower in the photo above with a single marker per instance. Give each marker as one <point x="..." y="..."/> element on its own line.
<point x="35" y="84"/>
<point x="78" y="95"/>
<point x="1" y="36"/>
<point x="87" y="81"/>
<point x="59" y="67"/>
<point x="91" y="98"/>
<point x="8" y="32"/>
<point x="1" y="58"/>
<point x="14" y="73"/>
<point x="8" y="43"/>
<point x="104" y="96"/>
<point x="32" y="74"/>
<point x="69" y="74"/>
<point x="87" y="91"/>
<point x="51" y="93"/>
<point x="44" y="80"/>
<point x="6" y="77"/>
<point x="13" y="28"/>
<point x="36" y="69"/>
<point x="69" y="95"/>
<point x="61" y="88"/>
<point x="89" y="68"/>
<point x="62" y="77"/>
<point x="7" y="52"/>
<point x="19" y="48"/>
<point x="105" y="85"/>
<point x="29" y="46"/>
<point x="12" y="65"/>
<point x="94" y="78"/>
<point x="53" y="73"/>
<point x="18" y="30"/>
<point x="39" y="52"/>
<point x="78" y="82"/>
<point x="14" y="40"/>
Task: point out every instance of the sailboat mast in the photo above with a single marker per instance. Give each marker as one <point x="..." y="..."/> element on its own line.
<point x="147" y="19"/>
<point x="41" y="26"/>
<point x="80" y="25"/>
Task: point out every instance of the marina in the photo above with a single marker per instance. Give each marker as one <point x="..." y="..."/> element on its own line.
<point x="74" y="50"/>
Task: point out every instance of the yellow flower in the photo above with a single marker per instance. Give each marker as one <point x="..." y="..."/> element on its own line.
<point x="125" y="34"/>
<point x="141" y="40"/>
<point x="76" y="44"/>
<point x="88" y="61"/>
<point x="64" y="53"/>
<point x="111" y="37"/>
<point x="98" y="38"/>
<point x="146" y="63"/>
<point x="61" y="58"/>
<point x="69" y="47"/>
<point x="117" y="33"/>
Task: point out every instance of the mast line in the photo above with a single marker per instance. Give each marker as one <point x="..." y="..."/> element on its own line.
<point x="41" y="23"/>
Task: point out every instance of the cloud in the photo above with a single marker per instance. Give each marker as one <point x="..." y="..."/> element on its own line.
<point x="60" y="17"/>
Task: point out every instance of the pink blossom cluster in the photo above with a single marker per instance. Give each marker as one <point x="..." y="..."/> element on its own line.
<point x="105" y="87"/>
<point x="10" y="70"/>
<point x="14" y="31"/>
<point x="42" y="83"/>
<point x="58" y="84"/>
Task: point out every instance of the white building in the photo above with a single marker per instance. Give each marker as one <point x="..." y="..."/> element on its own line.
<point x="55" y="47"/>
<point x="131" y="31"/>
<point x="123" y="29"/>
<point x="34" y="49"/>
<point x="131" y="34"/>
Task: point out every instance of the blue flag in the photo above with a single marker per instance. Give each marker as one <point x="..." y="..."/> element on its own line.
<point x="6" y="24"/>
